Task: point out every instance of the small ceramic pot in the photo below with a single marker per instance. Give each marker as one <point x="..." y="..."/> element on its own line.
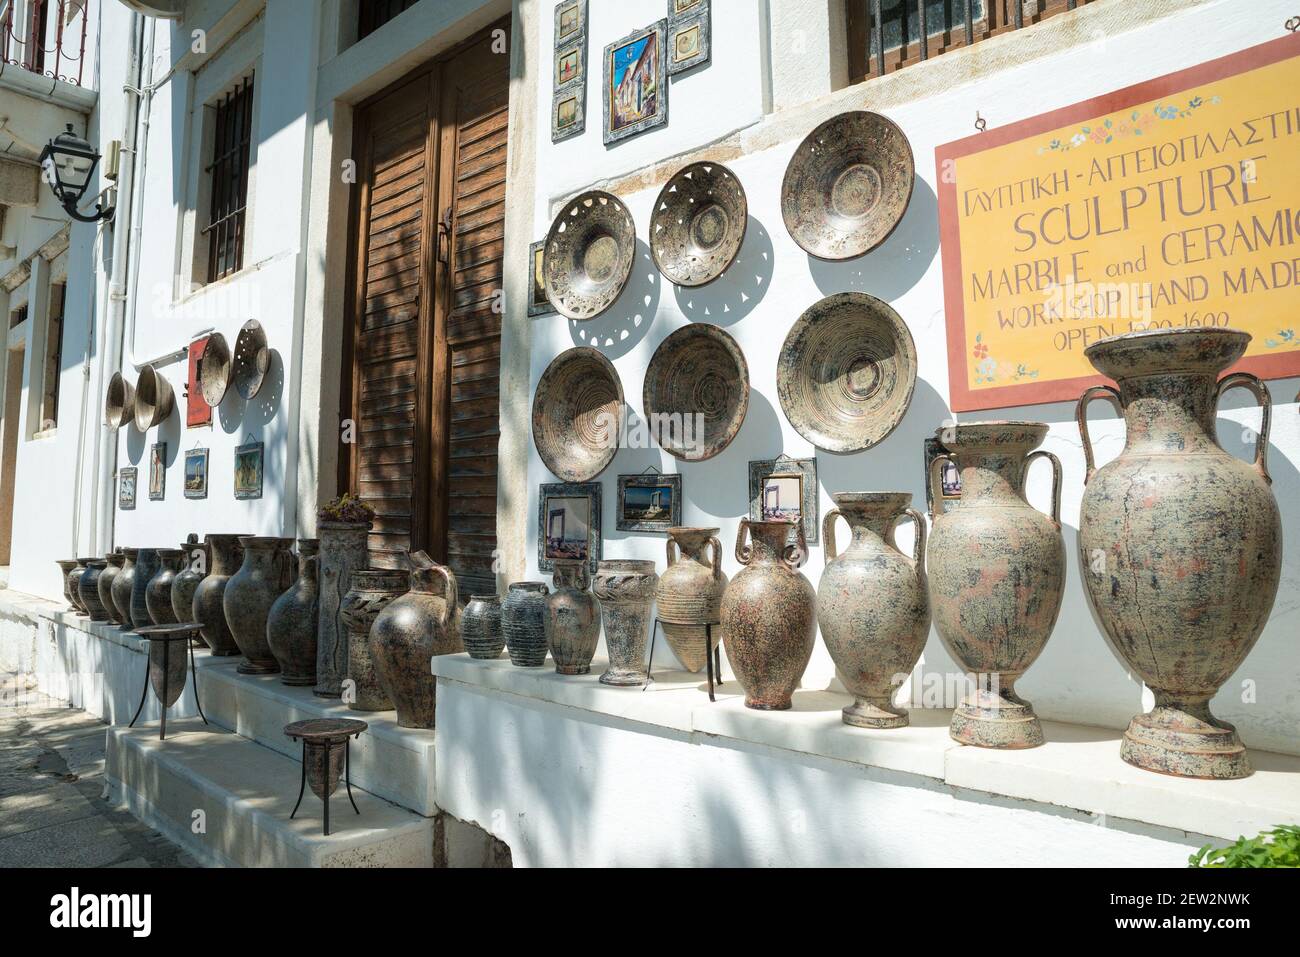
<point x="106" y="579"/>
<point x="575" y="619"/>
<point x="251" y="592"/>
<point x="525" y="621"/>
<point x="625" y="589"/>
<point x="88" y="589"/>
<point x="480" y="627"/>
<point x="209" y="610"/>
<point x="407" y="635"/>
<point x="291" y="624"/>
<point x="158" y="593"/>
<point x="372" y="590"/>
<point x="146" y="566"/>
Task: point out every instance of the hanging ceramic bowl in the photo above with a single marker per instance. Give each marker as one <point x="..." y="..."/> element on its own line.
<point x="697" y="384"/>
<point x="154" y="399"/>
<point x="252" y="359"/>
<point x="588" y="255"/>
<point x="119" y="403"/>
<point x="846" y="372"/>
<point x="214" y="370"/>
<point x="578" y="414"/>
<point x="698" y="224"/>
<point x="847" y="185"/>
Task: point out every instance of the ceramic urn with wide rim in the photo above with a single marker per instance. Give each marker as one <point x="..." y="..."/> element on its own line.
<point x="291" y="624"/>
<point x="343" y="550"/>
<point x="194" y="568"/>
<point x="575" y="618"/>
<point x="689" y="594"/>
<point x="625" y="589"/>
<point x="158" y="592"/>
<point x="122" y="586"/>
<point x="873" y="605"/>
<point x="106" y="579"/>
<point x="147" y="565"/>
<point x="526" y="623"/>
<point x="997" y="575"/>
<point x="226" y="555"/>
<point x="480" y="627"/>
<point x="74" y="580"/>
<point x="66" y="566"/>
<point x="370" y="591"/>
<point x="769" y="623"/>
<point x="1180" y="543"/>
<point x="408" y="634"/>
<point x="250" y="593"/>
<point x="88" y="589"/>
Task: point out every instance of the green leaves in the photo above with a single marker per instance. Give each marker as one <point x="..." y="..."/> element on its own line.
<point x="1279" y="847"/>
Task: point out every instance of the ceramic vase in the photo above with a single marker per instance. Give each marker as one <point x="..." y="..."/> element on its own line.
<point x="261" y="579"/>
<point x="525" y="620"/>
<point x="66" y="566"/>
<point x="689" y="595"/>
<point x="480" y="627"/>
<point x="768" y="614"/>
<point x="122" y="585"/>
<point x="292" y="621"/>
<point x="146" y="566"/>
<point x="625" y="590"/>
<point x="88" y="589"/>
<point x="342" y="551"/>
<point x="1180" y="542"/>
<point x="226" y="556"/>
<point x="106" y="579"/>
<point x="873" y="605"/>
<point x="408" y="634"/>
<point x="194" y="568"/>
<point x="997" y="574"/>
<point x="158" y="593"/>
<point x="372" y="590"/>
<point x="575" y="619"/>
<point x="74" y="579"/>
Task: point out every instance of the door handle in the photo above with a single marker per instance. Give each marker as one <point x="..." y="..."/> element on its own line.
<point x="444" y="237"/>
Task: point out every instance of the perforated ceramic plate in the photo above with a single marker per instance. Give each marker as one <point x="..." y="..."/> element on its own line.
<point x="589" y="253"/>
<point x="698" y="224"/>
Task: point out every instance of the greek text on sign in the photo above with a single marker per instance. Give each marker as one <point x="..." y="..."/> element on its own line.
<point x="1168" y="204"/>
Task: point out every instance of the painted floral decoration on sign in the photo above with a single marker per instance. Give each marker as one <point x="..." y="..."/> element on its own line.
<point x="988" y="369"/>
<point x="1136" y="123"/>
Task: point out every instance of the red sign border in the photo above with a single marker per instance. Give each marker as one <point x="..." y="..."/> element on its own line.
<point x="961" y="397"/>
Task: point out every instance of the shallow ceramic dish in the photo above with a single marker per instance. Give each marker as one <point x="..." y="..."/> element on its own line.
<point x="699" y="370"/>
<point x="846" y="372"/>
<point x="252" y="359"/>
<point x="578" y="414"/>
<point x="119" y="403"/>
<point x="154" y="399"/>
<point x="847" y="185"/>
<point x="698" y="224"/>
<point x="588" y="256"/>
<point x="214" y="370"/>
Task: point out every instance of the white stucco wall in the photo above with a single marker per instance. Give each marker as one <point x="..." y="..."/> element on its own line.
<point x="1077" y="678"/>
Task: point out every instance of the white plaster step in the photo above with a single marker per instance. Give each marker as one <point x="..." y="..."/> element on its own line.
<point x="395" y="763"/>
<point x="245" y="793"/>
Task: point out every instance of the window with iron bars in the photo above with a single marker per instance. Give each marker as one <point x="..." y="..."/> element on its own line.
<point x="228" y="180"/>
<point x="373" y="14"/>
<point x="945" y="24"/>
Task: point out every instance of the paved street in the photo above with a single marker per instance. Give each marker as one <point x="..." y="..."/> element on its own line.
<point x="52" y="813"/>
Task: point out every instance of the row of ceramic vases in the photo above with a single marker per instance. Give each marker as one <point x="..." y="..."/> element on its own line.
<point x="1180" y="549"/>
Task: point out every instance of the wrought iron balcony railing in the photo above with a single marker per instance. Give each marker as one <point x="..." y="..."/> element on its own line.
<point x="46" y="37"/>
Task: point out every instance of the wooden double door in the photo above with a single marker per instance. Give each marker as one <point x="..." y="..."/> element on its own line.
<point x="422" y="358"/>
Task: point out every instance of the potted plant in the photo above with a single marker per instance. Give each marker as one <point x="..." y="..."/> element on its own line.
<point x="343" y="525"/>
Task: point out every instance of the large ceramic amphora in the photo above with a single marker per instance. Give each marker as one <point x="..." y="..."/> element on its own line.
<point x="209" y="606"/>
<point x="997" y="574"/>
<point x="291" y="625"/>
<point x="768" y="614"/>
<point x="575" y="618"/>
<point x="625" y="589"/>
<point x="106" y="579"/>
<point x="147" y="565"/>
<point x="689" y="595"/>
<point x="872" y="604"/>
<point x="158" y="592"/>
<point x="194" y="569"/>
<point x="264" y="576"/>
<point x="371" y="591"/>
<point x="408" y="634"/>
<point x="119" y="589"/>
<point x="1180" y="543"/>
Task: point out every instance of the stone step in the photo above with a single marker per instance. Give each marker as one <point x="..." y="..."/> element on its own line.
<point x="394" y="763"/>
<point x="245" y="793"/>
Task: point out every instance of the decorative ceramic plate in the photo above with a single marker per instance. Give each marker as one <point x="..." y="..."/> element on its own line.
<point x="847" y="185"/>
<point x="589" y="253"/>
<point x="578" y="414"/>
<point x="214" y="369"/>
<point x="252" y="359"/>
<point x="698" y="382"/>
<point x="846" y="372"/>
<point x="698" y="224"/>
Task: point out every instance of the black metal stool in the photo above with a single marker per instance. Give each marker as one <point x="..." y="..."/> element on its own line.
<point x="321" y="738"/>
<point x="159" y="666"/>
<point x="712" y="659"/>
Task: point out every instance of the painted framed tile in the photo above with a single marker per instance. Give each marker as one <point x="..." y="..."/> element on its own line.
<point x="677" y="9"/>
<point x="196" y="473"/>
<point x="158" y="472"/>
<point x="569" y="113"/>
<point x="949" y="477"/>
<point x="538" y="304"/>
<point x="688" y="42"/>
<point x="248" y="470"/>
<point x="785" y="488"/>
<point x="570" y="21"/>
<point x="649" y="502"/>
<point x="568" y="523"/>
<point x="634" y="86"/>
<point x="126" y="484"/>
<point x="571" y="64"/>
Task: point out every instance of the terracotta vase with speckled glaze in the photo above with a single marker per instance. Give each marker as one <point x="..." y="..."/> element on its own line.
<point x="209" y="597"/>
<point x="997" y="575"/>
<point x="768" y="614"/>
<point x="872" y="604"/>
<point x="575" y="618"/>
<point x="291" y="624"/>
<point x="262" y="578"/>
<point x="370" y="591"/>
<point x="1180" y="543"/>
<point x="625" y="589"/>
<point x="158" y="592"/>
<point x="407" y="635"/>
<point x="689" y="595"/>
<point x="194" y="565"/>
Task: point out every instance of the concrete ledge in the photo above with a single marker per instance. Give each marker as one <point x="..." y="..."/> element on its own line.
<point x="1079" y="768"/>
<point x="227" y="800"/>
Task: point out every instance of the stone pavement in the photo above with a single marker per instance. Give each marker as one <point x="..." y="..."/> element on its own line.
<point x="52" y="809"/>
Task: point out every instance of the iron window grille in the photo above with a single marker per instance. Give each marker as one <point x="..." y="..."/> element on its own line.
<point x="228" y="177"/>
